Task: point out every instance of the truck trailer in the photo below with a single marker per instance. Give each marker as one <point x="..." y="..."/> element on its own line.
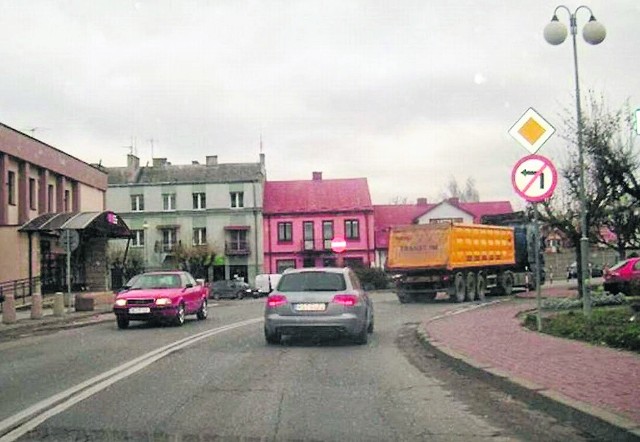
<point x="466" y="261"/>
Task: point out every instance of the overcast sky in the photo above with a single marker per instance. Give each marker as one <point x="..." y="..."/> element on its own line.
<point x="405" y="93"/>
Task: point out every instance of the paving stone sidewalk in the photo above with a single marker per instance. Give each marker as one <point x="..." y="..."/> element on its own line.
<point x="492" y="338"/>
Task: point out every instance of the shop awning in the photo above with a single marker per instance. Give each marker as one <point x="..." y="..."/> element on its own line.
<point x="106" y="224"/>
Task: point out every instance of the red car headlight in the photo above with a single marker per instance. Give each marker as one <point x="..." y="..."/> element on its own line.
<point x="163" y="301"/>
<point x="121" y="302"/>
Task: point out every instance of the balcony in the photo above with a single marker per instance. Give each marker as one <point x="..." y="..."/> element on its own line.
<point x="311" y="246"/>
<point x="237" y="248"/>
<point x="162" y="247"/>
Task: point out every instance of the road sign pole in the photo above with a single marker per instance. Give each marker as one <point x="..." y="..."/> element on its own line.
<point x="537" y="251"/>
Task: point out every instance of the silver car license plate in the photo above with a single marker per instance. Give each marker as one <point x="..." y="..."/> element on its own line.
<point x="309" y="307"/>
<point x="139" y="310"/>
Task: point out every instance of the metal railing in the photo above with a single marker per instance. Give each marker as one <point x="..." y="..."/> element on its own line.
<point x="237" y="248"/>
<point x="311" y="245"/>
<point x="21" y="289"/>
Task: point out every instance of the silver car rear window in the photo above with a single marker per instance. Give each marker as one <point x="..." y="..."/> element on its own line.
<point x="312" y="282"/>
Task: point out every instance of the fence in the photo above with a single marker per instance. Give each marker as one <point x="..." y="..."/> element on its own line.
<point x="21" y="289"/>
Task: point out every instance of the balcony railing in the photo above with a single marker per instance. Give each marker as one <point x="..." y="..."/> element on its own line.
<point x="168" y="247"/>
<point x="237" y="248"/>
<point x="310" y="245"/>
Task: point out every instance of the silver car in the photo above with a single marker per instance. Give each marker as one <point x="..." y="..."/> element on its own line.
<point x="318" y="301"/>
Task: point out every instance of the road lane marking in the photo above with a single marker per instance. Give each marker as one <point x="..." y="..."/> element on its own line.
<point x="19" y="424"/>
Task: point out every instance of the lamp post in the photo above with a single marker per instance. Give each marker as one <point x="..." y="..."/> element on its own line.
<point x="145" y="227"/>
<point x="594" y="33"/>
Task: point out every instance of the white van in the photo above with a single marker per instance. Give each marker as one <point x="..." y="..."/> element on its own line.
<point x="267" y="282"/>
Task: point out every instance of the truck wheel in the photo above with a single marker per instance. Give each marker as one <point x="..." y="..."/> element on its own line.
<point x="471" y="286"/>
<point x="404" y="298"/>
<point x="481" y="286"/>
<point x="507" y="283"/>
<point x="458" y="288"/>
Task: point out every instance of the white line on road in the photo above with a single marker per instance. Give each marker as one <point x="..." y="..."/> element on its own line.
<point x="19" y="424"/>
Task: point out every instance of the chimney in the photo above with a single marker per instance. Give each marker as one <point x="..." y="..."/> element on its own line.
<point x="133" y="162"/>
<point x="159" y="162"/>
<point x="454" y="201"/>
<point x="422" y="202"/>
<point x="212" y="160"/>
<point x="317" y="176"/>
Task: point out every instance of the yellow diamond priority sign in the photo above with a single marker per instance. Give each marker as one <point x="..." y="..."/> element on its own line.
<point x="531" y="130"/>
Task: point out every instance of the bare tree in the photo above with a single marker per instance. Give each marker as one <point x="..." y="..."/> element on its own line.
<point x="195" y="259"/>
<point x="468" y="194"/>
<point x="610" y="182"/>
<point x="397" y="200"/>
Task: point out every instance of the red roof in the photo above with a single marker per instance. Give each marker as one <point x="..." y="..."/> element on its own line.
<point x="314" y="196"/>
<point x="480" y="209"/>
<point x="477" y="209"/>
<point x="387" y="216"/>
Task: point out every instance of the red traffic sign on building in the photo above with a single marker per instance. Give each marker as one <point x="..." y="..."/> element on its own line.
<point x="534" y="178"/>
<point x="338" y="244"/>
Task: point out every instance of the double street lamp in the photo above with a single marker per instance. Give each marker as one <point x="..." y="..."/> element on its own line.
<point x="594" y="33"/>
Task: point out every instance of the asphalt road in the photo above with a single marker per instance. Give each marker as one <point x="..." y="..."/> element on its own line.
<point x="230" y="385"/>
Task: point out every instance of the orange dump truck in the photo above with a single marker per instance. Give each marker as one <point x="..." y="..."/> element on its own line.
<point x="464" y="260"/>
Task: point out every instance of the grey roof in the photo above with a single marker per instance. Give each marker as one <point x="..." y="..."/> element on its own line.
<point x="191" y="173"/>
<point x="99" y="222"/>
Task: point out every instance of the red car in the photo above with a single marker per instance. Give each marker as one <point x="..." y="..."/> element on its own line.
<point x="623" y="277"/>
<point x="161" y="296"/>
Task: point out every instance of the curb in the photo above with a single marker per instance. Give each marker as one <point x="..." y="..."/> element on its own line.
<point x="600" y="423"/>
<point x="53" y="323"/>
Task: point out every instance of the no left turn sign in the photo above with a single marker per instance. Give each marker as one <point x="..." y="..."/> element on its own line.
<point x="534" y="178"/>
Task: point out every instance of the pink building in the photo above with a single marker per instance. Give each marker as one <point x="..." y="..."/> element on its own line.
<point x="302" y="217"/>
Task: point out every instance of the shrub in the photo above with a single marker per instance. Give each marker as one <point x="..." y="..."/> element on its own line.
<point x="597" y="300"/>
<point x="373" y="277"/>
<point x="608" y="326"/>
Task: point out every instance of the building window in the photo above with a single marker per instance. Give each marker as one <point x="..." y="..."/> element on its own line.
<point x="308" y="235"/>
<point x="327" y="233"/>
<point x="352" y="229"/>
<point x="285" y="233"/>
<point x="137" y="203"/>
<point x="445" y="220"/>
<point x="199" y="236"/>
<point x="168" y="201"/>
<point x="11" y="187"/>
<point x="50" y="198"/>
<point x="354" y="263"/>
<point x="137" y="239"/>
<point x="238" y="242"/>
<point x="200" y="201"/>
<point x="329" y="262"/>
<point x="67" y="196"/>
<point x="237" y="199"/>
<point x="168" y="240"/>
<point x="284" y="264"/>
<point x="32" y="194"/>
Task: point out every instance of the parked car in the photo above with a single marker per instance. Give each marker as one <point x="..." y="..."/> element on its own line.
<point x="572" y="270"/>
<point x="160" y="296"/>
<point x="266" y="283"/>
<point x="318" y="300"/>
<point x="231" y="288"/>
<point x="623" y="277"/>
